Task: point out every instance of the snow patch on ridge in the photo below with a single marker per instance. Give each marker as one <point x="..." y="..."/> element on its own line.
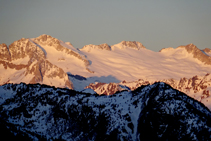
<point x="129" y="64"/>
<point x="23" y="61"/>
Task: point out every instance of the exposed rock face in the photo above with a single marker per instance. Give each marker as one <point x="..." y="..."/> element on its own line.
<point x="207" y="50"/>
<point x="37" y="67"/>
<point x="197" y="53"/>
<point x="46" y="69"/>
<point x="23" y="48"/>
<point x="4" y="52"/>
<point x="50" y="41"/>
<point x="105" y="46"/>
<point x="135" y="84"/>
<point x="132" y="44"/>
<point x="112" y="88"/>
<point x="101" y="47"/>
<point x="198" y="87"/>
<point x="196" y="83"/>
<point x="106" y="89"/>
<point x="28" y="59"/>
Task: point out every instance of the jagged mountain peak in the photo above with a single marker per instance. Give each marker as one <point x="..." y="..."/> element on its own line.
<point x="123" y="61"/>
<point x="44" y="37"/>
<point x="4" y="52"/>
<point x="25" y="60"/>
<point x="51" y="41"/>
<point x="66" y="47"/>
<point x="201" y="55"/>
<point x="131" y="44"/>
<point x="198" y="87"/>
<point x="3" y="48"/>
<point x="47" y="40"/>
<point x="123" y="44"/>
<point x="190" y="47"/>
<point x="197" y="53"/>
<point x="207" y="50"/>
<point x="3" y="45"/>
<point x="103" y="46"/>
<point x="25" y="47"/>
<point x="106" y="89"/>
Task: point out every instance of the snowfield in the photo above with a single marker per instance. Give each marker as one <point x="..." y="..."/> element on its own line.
<point x="122" y="61"/>
<point x="47" y="60"/>
<point x="130" y="64"/>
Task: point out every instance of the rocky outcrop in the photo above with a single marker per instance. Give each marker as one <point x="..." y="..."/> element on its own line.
<point x="197" y="85"/>
<point x="44" y="69"/>
<point x="100" y="47"/>
<point x="4" y="52"/>
<point x="12" y="65"/>
<point x="112" y="88"/>
<point x="53" y="42"/>
<point x="207" y="50"/>
<point x="197" y="53"/>
<point x="30" y="59"/>
<point x="106" y="89"/>
<point x="201" y="55"/>
<point x="132" y="44"/>
<point x="37" y="69"/>
<point x="23" y="48"/>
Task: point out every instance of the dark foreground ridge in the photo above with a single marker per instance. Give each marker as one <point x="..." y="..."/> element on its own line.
<point x="152" y="112"/>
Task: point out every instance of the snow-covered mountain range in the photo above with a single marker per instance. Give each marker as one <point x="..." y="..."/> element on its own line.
<point x="106" y="69"/>
<point x="152" y="112"/>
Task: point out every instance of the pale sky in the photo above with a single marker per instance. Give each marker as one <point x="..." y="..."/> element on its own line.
<point x="156" y="24"/>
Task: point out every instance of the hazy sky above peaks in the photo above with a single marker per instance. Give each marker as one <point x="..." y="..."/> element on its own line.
<point x="156" y="24"/>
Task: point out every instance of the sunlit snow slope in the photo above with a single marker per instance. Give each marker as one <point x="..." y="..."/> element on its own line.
<point x="131" y="64"/>
<point x="48" y="60"/>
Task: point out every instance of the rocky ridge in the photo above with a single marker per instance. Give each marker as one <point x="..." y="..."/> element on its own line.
<point x="51" y="41"/>
<point x="197" y="53"/>
<point x="132" y="44"/>
<point x="4" y="52"/>
<point x="198" y="87"/>
<point x="105" y="89"/>
<point x="101" y="47"/>
<point x="36" y="67"/>
<point x="28" y="57"/>
<point x="152" y="112"/>
<point x="207" y="50"/>
<point x="28" y="62"/>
